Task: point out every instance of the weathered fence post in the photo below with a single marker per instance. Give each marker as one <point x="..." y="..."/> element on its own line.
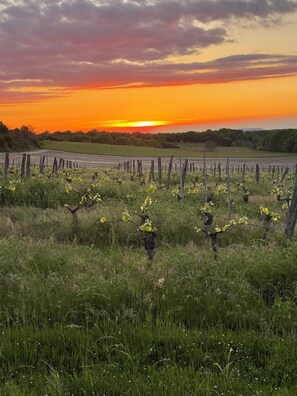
<point x="220" y="172"/>
<point x="28" y="165"/>
<point x="152" y="171"/>
<point x="183" y="173"/>
<point x="273" y="171"/>
<point x="228" y="186"/>
<point x="257" y="172"/>
<point x="243" y="172"/>
<point x="159" y="170"/>
<point x="6" y="165"/>
<point x="292" y="212"/>
<point x="169" y="173"/>
<point x="284" y="174"/>
<point x="60" y="163"/>
<point x="204" y="177"/>
<point x="55" y="165"/>
<point x="23" y="167"/>
<point x="41" y="165"/>
<point x="139" y="169"/>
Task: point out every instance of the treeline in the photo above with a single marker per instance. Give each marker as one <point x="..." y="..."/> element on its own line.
<point x="222" y="137"/>
<point x="17" y="139"/>
<point x="284" y="140"/>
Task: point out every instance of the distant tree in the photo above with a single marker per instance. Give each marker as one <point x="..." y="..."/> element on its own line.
<point x="3" y="145"/>
<point x="79" y="137"/>
<point x="3" y="128"/>
<point x="104" y="138"/>
<point x="92" y="134"/>
<point x="123" y="140"/>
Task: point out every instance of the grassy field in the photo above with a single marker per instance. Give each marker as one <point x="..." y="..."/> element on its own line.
<point x="83" y="311"/>
<point x="136" y="151"/>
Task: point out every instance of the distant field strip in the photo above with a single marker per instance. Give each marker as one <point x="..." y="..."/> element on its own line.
<point x="136" y="151"/>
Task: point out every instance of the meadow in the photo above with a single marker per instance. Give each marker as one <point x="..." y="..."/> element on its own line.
<point x="85" y="309"/>
<point x="185" y="150"/>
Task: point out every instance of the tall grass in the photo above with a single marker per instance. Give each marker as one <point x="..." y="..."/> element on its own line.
<point x="75" y="317"/>
<point x="82" y="311"/>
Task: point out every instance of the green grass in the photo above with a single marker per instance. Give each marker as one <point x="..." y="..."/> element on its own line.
<point x="135" y="151"/>
<point x="79" y="320"/>
<point x="83" y="312"/>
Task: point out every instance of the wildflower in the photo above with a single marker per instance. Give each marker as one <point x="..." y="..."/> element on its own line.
<point x="160" y="282"/>
<point x="103" y="219"/>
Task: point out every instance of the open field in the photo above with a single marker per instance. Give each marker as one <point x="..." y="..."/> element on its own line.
<point x="136" y="151"/>
<point x="93" y="161"/>
<point x="83" y="311"/>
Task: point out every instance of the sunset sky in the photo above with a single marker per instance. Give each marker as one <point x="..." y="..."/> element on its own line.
<point x="150" y="65"/>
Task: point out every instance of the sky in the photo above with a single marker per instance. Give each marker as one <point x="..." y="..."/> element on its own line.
<point x="148" y="65"/>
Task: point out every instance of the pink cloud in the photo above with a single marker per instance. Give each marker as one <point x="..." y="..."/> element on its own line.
<point x="107" y="44"/>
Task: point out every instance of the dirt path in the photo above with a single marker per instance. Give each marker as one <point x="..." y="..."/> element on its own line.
<point x="107" y="161"/>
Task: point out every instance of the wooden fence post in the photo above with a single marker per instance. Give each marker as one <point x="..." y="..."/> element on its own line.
<point x="139" y="169"/>
<point x="23" y="167"/>
<point x="159" y="170"/>
<point x="292" y="212"/>
<point x="228" y="186"/>
<point x="183" y="173"/>
<point x="55" y="165"/>
<point x="257" y="172"/>
<point x="243" y="172"/>
<point x="220" y="172"/>
<point x="28" y="165"/>
<point x="152" y="171"/>
<point x="285" y="174"/>
<point x="169" y="173"/>
<point x="6" y="165"/>
<point x="204" y="178"/>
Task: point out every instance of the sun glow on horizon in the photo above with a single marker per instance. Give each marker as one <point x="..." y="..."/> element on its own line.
<point x="134" y="124"/>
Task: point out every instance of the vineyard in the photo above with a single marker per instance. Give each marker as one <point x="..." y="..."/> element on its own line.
<point x="167" y="279"/>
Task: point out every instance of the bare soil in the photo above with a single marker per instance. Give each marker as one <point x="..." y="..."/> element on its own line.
<point x="106" y="161"/>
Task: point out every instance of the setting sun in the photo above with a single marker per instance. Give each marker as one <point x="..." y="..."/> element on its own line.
<point x="134" y="124"/>
<point x="149" y="66"/>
